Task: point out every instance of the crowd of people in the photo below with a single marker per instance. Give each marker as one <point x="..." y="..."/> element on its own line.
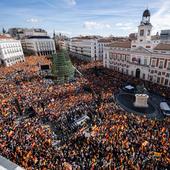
<point x="110" y="139"/>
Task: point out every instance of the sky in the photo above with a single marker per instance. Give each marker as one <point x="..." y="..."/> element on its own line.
<point x="84" y="17"/>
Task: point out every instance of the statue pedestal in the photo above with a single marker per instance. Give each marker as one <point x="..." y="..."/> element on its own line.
<point x="141" y="100"/>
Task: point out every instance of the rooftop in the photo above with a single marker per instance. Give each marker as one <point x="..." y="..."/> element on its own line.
<point x="105" y="40"/>
<point x="38" y="37"/>
<point x="5" y="37"/>
<point x="120" y="44"/>
<point x="162" y="46"/>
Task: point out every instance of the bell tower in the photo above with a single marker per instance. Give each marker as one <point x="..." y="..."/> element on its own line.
<point x="145" y="27"/>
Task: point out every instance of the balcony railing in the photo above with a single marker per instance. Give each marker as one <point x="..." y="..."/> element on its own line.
<point x="139" y="64"/>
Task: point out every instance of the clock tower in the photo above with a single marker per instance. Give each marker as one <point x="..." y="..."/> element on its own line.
<point x="145" y="28"/>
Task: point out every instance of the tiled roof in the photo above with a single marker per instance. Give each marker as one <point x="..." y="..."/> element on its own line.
<point x="162" y="46"/>
<point x="104" y="40"/>
<point x="122" y="44"/>
<point x="4" y="37"/>
<point x="155" y="37"/>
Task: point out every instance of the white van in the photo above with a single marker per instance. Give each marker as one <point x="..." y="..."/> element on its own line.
<point x="82" y="120"/>
<point x="165" y="108"/>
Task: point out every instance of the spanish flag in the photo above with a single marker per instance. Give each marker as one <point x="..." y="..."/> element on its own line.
<point x="28" y="154"/>
<point x="145" y="143"/>
<point x="10" y="133"/>
<point x="35" y="159"/>
<point x="157" y="154"/>
<point x="33" y="144"/>
<point x="67" y="166"/>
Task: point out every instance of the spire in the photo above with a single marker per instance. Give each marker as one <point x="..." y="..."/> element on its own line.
<point x="3" y="31"/>
<point x="54" y="34"/>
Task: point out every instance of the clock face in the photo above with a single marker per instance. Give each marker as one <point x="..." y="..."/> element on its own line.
<point x="146" y="19"/>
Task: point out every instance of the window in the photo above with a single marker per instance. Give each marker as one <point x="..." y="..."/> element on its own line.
<point x="148" y="46"/>
<point x="162" y="80"/>
<point x="152" y="71"/>
<point x="151" y="78"/>
<point x="153" y="63"/>
<point x="143" y="76"/>
<point x="145" y="61"/>
<point x="141" y="32"/>
<point x="166" y="82"/>
<point x="161" y="64"/>
<point x="168" y="67"/>
<point x="149" y="32"/>
<point x="168" y="75"/>
<point x="158" y="80"/>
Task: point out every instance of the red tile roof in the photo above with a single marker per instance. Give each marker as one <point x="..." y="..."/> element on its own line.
<point x="161" y="46"/>
<point x="4" y="37"/>
<point x="122" y="44"/>
<point x="105" y="40"/>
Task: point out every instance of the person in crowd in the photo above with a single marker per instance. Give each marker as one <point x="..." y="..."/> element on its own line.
<point x="50" y="139"/>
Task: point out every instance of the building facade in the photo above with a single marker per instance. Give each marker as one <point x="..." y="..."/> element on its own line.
<point x="39" y="45"/>
<point x="145" y="57"/>
<point x="88" y="48"/>
<point x="10" y="51"/>
<point x="20" y="33"/>
<point x="83" y="48"/>
<point x="165" y="36"/>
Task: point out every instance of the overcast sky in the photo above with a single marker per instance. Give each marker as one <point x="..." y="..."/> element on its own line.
<point x="85" y="17"/>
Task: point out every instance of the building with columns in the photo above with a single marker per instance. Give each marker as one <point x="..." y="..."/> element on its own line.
<point x="145" y="57"/>
<point x="10" y="51"/>
<point x="39" y="45"/>
<point x="20" y="33"/>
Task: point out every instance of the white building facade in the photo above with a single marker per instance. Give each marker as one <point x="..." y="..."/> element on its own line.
<point x="88" y="48"/>
<point x="143" y="58"/>
<point x="83" y="48"/>
<point x="39" y="45"/>
<point x="10" y="51"/>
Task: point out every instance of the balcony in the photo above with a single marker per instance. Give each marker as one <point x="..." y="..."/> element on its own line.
<point x="138" y="64"/>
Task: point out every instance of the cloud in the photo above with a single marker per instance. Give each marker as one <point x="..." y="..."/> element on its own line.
<point x="161" y="19"/>
<point x="125" y="26"/>
<point x="32" y="20"/>
<point x="94" y="25"/>
<point x="119" y="24"/>
<point x="71" y="2"/>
